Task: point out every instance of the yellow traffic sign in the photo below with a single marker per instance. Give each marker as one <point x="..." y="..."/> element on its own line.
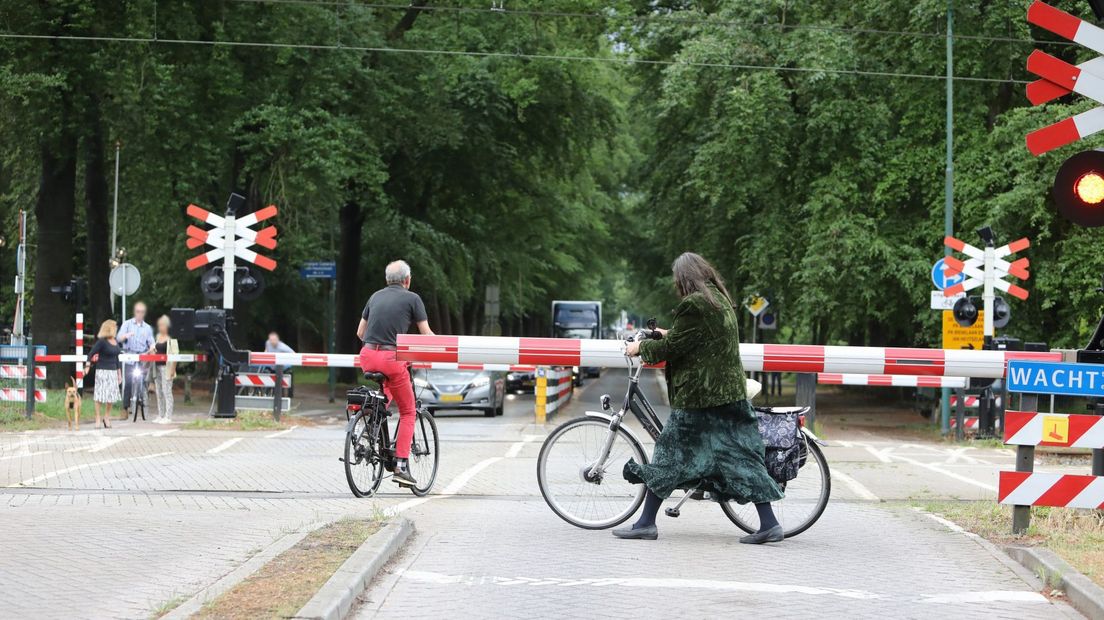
<point x="956" y="336"/>
<point x="756" y="305"/>
<point x="1055" y="429"/>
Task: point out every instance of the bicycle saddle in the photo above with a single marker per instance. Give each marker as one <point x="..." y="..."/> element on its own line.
<point x="377" y="377"/>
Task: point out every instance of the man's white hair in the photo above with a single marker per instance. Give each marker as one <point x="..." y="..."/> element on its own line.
<point x="397" y="272"/>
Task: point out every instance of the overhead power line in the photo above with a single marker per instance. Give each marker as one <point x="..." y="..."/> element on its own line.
<point x="670" y="18"/>
<point x="624" y="60"/>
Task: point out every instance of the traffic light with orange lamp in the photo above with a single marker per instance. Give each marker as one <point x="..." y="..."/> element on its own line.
<point x="1079" y="189"/>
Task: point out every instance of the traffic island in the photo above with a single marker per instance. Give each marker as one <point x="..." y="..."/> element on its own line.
<point x="318" y="576"/>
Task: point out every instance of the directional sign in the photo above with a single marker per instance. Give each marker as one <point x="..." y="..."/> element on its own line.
<point x="756" y="305"/>
<point x="941" y="278"/>
<point x="1060" y="78"/>
<point x="319" y="270"/>
<point x="1065" y="378"/>
<point x="768" y="320"/>
<point x="956" y="336"/>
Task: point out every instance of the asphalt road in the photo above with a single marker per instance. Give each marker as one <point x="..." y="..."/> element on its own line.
<point x="119" y="523"/>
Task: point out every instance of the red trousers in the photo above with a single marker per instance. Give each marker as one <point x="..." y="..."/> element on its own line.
<point x="398" y="389"/>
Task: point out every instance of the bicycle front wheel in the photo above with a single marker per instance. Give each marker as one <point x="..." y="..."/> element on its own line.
<point x="363" y="465"/>
<point x="424" y="453"/>
<point x="806" y="497"/>
<point x="586" y="499"/>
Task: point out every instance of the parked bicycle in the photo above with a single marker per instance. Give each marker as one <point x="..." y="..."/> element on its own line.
<point x="580" y="464"/>
<point x="370" y="447"/>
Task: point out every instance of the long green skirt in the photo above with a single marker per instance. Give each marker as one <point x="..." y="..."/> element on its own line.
<point x="720" y="446"/>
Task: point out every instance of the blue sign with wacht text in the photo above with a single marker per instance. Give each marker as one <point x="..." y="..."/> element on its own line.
<point x="1070" y="379"/>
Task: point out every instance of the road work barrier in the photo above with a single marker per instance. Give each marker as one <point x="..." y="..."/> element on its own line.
<point x="554" y="389"/>
<point x="755" y="357"/>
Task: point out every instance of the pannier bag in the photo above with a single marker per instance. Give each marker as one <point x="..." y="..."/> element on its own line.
<point x="785" y="448"/>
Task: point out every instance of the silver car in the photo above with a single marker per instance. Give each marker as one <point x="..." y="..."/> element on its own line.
<point x="461" y="389"/>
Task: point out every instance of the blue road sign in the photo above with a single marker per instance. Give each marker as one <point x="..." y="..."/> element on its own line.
<point x="319" y="270"/>
<point x="941" y="279"/>
<point x="1056" y="378"/>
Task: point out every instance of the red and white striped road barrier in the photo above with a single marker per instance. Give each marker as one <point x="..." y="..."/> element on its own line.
<point x="755" y="357"/>
<point x="970" y="423"/>
<point x="260" y="380"/>
<point x="554" y="389"/>
<point x="126" y="357"/>
<point x="1061" y="78"/>
<point x="488" y="367"/>
<point x="969" y="401"/>
<point x="20" y="372"/>
<point x="1023" y="428"/>
<point x="1021" y="488"/>
<point x="19" y="394"/>
<point x="313" y="360"/>
<point x="828" y="378"/>
<point x="78" y="349"/>
<point x="975" y="267"/>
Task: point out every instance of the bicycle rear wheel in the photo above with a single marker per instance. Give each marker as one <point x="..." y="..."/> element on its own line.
<point x="806" y="497"/>
<point x="424" y="453"/>
<point x="602" y="499"/>
<point x="363" y="465"/>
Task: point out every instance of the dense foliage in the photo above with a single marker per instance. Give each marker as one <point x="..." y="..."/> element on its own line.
<point x="561" y="149"/>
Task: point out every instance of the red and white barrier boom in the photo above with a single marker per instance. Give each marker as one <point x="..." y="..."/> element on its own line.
<point x="231" y="237"/>
<point x="1060" y="78"/>
<point x="755" y="357"/>
<point x="78" y="348"/>
<point x="828" y="378"/>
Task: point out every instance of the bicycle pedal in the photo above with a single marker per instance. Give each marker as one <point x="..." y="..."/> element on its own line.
<point x="672" y="512"/>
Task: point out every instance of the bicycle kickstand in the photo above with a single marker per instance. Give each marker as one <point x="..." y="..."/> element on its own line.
<point x="675" y="512"/>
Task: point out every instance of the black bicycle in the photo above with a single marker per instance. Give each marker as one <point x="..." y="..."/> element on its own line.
<point x="370" y="449"/>
<point x="580" y="464"/>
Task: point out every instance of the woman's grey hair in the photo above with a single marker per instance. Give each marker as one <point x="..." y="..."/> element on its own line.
<point x="693" y="274"/>
<point x="397" y="272"/>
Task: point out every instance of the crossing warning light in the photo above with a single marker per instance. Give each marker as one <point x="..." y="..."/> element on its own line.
<point x="1079" y="189"/>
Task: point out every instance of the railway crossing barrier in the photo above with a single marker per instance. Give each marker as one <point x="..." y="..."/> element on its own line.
<point x="554" y="389"/>
<point x="1026" y="429"/>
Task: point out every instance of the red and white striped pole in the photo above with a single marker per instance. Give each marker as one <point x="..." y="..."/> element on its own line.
<point x="79" y="350"/>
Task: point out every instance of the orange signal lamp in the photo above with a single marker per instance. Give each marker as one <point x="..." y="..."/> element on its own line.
<point x="1078" y="188"/>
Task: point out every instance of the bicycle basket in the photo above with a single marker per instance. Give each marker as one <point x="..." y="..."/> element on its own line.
<point x="781" y="434"/>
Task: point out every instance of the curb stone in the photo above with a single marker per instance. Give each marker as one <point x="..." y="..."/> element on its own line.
<point x="1083" y="594"/>
<point x="336" y="597"/>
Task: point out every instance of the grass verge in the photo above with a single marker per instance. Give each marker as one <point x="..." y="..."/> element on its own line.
<point x="1075" y="535"/>
<point x="281" y="587"/>
<point x="248" y="421"/>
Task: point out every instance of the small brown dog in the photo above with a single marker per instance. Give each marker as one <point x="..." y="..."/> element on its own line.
<point x="72" y="405"/>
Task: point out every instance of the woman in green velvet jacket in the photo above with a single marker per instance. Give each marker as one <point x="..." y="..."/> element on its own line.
<point x="712" y="435"/>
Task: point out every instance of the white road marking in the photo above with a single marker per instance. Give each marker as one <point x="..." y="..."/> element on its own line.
<point x="1019" y="596"/>
<point x="457" y="483"/>
<point x="224" y="445"/>
<point x="279" y="433"/>
<point x="879" y="454"/>
<point x="939" y="470"/>
<point x="103" y="444"/>
<point x="856" y="487"/>
<point x="19" y="456"/>
<point x="947" y="523"/>
<point x="163" y="433"/>
<point x="55" y="474"/>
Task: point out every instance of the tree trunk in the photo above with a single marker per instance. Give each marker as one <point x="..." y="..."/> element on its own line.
<point x="96" y="219"/>
<point x="351" y="222"/>
<point x="52" y="316"/>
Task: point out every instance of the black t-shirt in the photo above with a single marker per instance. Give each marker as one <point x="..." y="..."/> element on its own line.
<point x="108" y="355"/>
<point x="391" y="311"/>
